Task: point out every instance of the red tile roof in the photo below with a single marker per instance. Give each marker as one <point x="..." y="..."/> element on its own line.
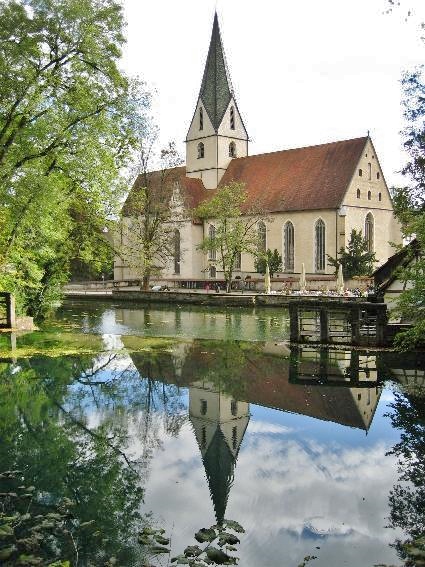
<point x="314" y="177"/>
<point x="192" y="190"/>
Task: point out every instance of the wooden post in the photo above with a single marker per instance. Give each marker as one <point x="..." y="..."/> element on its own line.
<point x="294" y="323"/>
<point x="381" y="324"/>
<point x="324" y="325"/>
<point x="10" y="311"/>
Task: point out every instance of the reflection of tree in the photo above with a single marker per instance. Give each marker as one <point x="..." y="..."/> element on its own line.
<point x="66" y="423"/>
<point x="407" y="498"/>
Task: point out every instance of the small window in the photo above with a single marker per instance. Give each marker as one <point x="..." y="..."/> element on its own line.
<point x="369" y="195"/>
<point x="358" y="194"/>
<point x="369" y="170"/>
<point x="320" y="246"/>
<point x="234" y="407"/>
<point x="379" y="196"/>
<point x="360" y="172"/>
<point x="232" y="149"/>
<point x="201" y="118"/>
<point x="201" y="150"/>
<point x="204" y="407"/>
<point x="232" y="118"/>
<point x="378" y="175"/>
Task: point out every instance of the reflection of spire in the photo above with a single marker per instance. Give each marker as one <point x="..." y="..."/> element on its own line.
<point x="219" y="423"/>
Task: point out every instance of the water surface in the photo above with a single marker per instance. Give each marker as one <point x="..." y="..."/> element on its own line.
<point x="181" y="418"/>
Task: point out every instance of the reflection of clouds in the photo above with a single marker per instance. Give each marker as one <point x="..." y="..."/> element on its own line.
<point x="290" y="495"/>
<point x="261" y="427"/>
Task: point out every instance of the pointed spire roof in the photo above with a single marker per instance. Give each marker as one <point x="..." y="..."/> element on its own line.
<point x="216" y="88"/>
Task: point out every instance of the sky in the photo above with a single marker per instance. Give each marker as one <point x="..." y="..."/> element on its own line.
<point x="305" y="72"/>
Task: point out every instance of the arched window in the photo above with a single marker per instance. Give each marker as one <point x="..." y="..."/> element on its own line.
<point x="213" y="271"/>
<point x="211" y="234"/>
<point x="238" y="261"/>
<point x="232" y="149"/>
<point x="201" y="118"/>
<point x="358" y="193"/>
<point x="262" y="238"/>
<point x="177" y="252"/>
<point x="319" y="246"/>
<point x="288" y="247"/>
<point x="232" y="118"/>
<point x="201" y="150"/>
<point x="368" y="231"/>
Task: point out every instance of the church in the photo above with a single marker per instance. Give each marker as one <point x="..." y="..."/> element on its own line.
<point x="313" y="196"/>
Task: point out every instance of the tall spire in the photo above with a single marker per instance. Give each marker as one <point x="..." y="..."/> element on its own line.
<point x="216" y="88"/>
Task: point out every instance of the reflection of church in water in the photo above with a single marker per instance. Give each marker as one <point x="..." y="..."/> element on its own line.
<point x="219" y="423"/>
<point x="337" y="386"/>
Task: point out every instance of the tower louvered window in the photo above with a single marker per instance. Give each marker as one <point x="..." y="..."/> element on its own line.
<point x="232" y="118"/>
<point x="320" y="246"/>
<point x="201" y="118"/>
<point x="288" y="247"/>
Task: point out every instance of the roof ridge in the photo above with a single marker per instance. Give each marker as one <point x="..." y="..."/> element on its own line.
<point x="302" y="148"/>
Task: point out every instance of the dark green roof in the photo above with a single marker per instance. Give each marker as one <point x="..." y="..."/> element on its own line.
<point x="219" y="466"/>
<point x="216" y="88"/>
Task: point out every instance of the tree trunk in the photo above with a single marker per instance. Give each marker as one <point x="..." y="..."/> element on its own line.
<point x="145" y="282"/>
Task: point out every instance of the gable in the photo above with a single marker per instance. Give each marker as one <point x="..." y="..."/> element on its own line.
<point x="314" y="177"/>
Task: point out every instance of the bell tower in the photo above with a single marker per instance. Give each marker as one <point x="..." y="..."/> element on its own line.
<point x="217" y="133"/>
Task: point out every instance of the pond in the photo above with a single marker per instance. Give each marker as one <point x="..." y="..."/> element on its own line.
<point x="125" y="430"/>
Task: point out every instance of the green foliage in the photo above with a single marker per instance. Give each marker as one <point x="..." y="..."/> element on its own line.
<point x="357" y="260"/>
<point x="68" y="121"/>
<point x="235" y="226"/>
<point x="273" y="259"/>
<point x="410" y="210"/>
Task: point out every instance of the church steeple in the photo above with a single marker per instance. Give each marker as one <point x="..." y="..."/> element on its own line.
<point x="216" y="88"/>
<point x="217" y="133"/>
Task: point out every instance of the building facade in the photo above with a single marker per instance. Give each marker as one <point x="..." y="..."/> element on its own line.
<point x="313" y="196"/>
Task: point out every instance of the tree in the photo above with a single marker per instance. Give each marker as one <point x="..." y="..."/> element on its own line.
<point x="410" y="210"/>
<point x="68" y="121"/>
<point x="235" y="224"/>
<point x="273" y="259"/>
<point x="147" y="239"/>
<point x="357" y="260"/>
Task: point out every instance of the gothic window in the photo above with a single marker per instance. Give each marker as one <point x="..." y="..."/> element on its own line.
<point x="319" y="246"/>
<point x="211" y="235"/>
<point x="288" y="247"/>
<point x="201" y="118"/>
<point x="213" y="272"/>
<point x="232" y="118"/>
<point x="233" y="407"/>
<point x="262" y="238"/>
<point x="238" y="261"/>
<point x="204" y="407"/>
<point x="177" y="252"/>
<point x="368" y="231"/>
<point x="358" y="193"/>
<point x="369" y="170"/>
<point x="201" y="150"/>
<point x="232" y="149"/>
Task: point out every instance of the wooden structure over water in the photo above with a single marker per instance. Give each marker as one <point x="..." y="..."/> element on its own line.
<point x="342" y="322"/>
<point x="7" y="310"/>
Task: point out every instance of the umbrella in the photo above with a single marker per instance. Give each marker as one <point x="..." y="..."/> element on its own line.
<point x="303" y="283"/>
<point x="267" y="279"/>
<point x="340" y="281"/>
